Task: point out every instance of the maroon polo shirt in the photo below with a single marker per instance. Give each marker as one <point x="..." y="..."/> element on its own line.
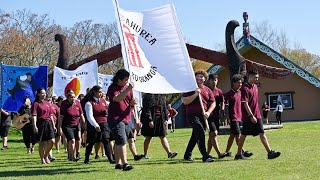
<point x="249" y="93"/>
<point x="207" y="98"/>
<point x="119" y="111"/>
<point x="265" y="107"/>
<point x="99" y="110"/>
<point x="71" y="113"/>
<point x="233" y="99"/>
<point x="219" y="98"/>
<point x="55" y="111"/>
<point x="172" y="112"/>
<point x="41" y="109"/>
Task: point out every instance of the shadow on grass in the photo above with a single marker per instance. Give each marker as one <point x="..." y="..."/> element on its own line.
<point x="44" y="171"/>
<point x="177" y="161"/>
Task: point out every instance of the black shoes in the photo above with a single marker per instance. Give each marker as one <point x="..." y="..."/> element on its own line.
<point x="138" y="157"/>
<point x="172" y="154"/>
<point x="228" y="154"/>
<point x="127" y="167"/>
<point x="86" y="161"/>
<point x="223" y="155"/>
<point x="239" y="157"/>
<point x="208" y="160"/>
<point x="112" y="161"/>
<point x="244" y="155"/>
<point x="97" y="157"/>
<point x="118" y="166"/>
<point x="247" y="154"/>
<point x="4" y="148"/>
<point x="188" y="158"/>
<point x="78" y="156"/>
<point x="52" y="158"/>
<point x="273" y="154"/>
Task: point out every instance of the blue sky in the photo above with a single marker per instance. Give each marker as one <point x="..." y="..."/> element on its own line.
<point x="202" y="22"/>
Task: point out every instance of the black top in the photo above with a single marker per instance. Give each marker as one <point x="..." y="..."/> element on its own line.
<point x="24" y="110"/>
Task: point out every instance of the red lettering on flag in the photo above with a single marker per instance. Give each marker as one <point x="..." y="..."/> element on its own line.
<point x="133" y="51"/>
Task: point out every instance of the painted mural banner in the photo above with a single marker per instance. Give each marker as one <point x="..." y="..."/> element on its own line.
<point x="18" y="82"/>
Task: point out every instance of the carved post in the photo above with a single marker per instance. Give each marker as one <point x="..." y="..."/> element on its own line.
<point x="63" y="60"/>
<point x="237" y="64"/>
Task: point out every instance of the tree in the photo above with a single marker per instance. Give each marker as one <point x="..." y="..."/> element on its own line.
<point x="308" y="61"/>
<point x="27" y="39"/>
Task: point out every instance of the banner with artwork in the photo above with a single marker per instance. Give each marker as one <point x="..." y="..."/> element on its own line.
<point x="78" y="80"/>
<point x="18" y="82"/>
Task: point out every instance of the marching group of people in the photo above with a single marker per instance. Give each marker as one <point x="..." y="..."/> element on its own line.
<point x="109" y="120"/>
<point x="206" y="105"/>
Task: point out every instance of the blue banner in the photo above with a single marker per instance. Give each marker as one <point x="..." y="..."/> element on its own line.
<point x="17" y="82"/>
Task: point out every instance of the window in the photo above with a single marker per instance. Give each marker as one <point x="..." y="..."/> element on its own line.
<point x="284" y="97"/>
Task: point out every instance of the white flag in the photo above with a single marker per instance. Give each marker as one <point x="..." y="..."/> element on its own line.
<point x="85" y="76"/>
<point x="154" y="51"/>
<point x="104" y="81"/>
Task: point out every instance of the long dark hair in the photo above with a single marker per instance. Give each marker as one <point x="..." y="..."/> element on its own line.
<point x="120" y="74"/>
<point x="90" y="94"/>
<point x="38" y="91"/>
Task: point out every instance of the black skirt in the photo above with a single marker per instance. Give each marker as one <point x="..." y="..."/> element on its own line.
<point x="159" y="128"/>
<point x="45" y="130"/>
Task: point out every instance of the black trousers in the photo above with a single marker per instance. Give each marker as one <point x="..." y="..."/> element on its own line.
<point x="278" y="117"/>
<point x="93" y="137"/>
<point x="197" y="137"/>
<point x="28" y="135"/>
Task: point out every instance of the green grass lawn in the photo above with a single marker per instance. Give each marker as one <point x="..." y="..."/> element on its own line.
<point x="298" y="142"/>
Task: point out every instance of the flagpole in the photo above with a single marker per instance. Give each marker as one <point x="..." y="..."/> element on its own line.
<point x="203" y="112"/>
<point x="122" y="37"/>
<point x="135" y="107"/>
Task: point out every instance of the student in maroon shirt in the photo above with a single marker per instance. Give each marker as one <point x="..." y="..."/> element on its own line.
<point x="251" y="117"/>
<point x="43" y="124"/>
<point x="234" y="114"/>
<point x="55" y="114"/>
<point x="214" y="118"/>
<point x="121" y="101"/>
<point x="62" y="137"/>
<point x="172" y="114"/>
<point x="265" y="111"/>
<point x="69" y="120"/>
<point x="196" y="117"/>
<point x="97" y="123"/>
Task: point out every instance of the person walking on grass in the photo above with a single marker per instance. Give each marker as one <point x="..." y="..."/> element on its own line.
<point x="215" y="116"/>
<point x="5" y="125"/>
<point x="43" y="125"/>
<point x="27" y="131"/>
<point x="251" y="117"/>
<point x="196" y="117"/>
<point x="97" y="125"/>
<point x="69" y="121"/>
<point x="234" y="114"/>
<point x="154" y="116"/>
<point x="121" y="102"/>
